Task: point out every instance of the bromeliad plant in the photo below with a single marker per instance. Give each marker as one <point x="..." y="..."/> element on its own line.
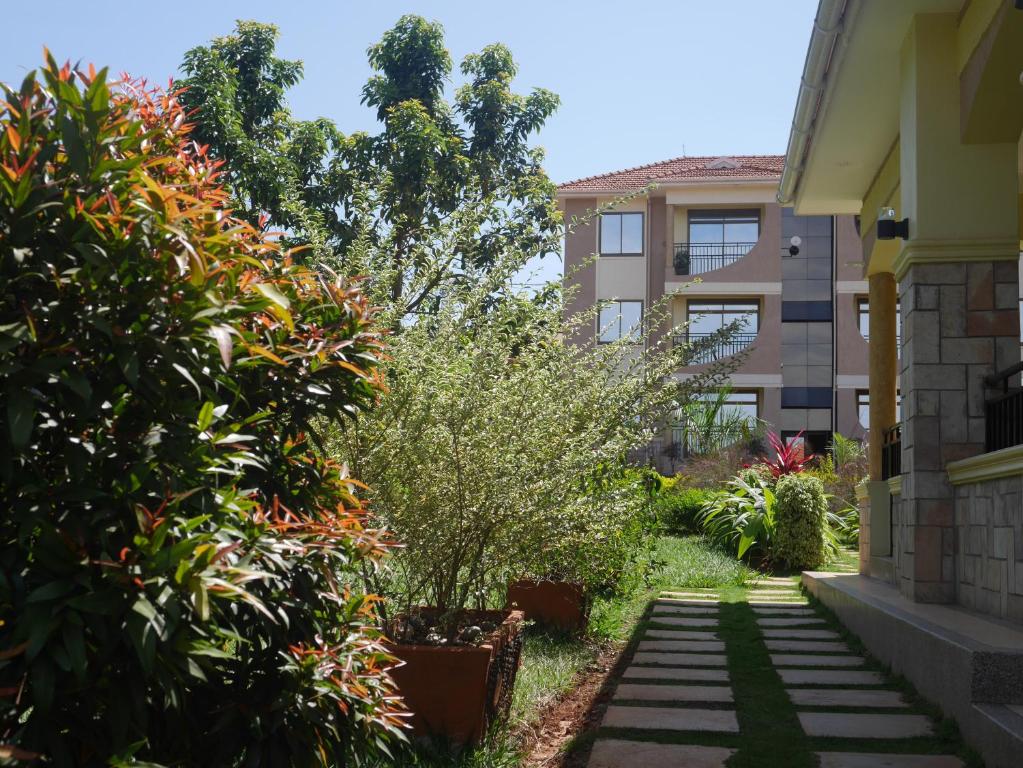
<point x="177" y="562"/>
<point x="789" y="456"/>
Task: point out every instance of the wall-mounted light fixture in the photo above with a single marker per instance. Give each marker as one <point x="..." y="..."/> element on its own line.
<point x="888" y="228"/>
<point x="794" y="242"/>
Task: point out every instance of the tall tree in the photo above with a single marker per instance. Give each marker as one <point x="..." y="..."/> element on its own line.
<point x="432" y="158"/>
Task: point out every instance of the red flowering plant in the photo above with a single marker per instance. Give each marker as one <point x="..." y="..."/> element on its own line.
<point x="179" y="566"/>
<point x="789" y="455"/>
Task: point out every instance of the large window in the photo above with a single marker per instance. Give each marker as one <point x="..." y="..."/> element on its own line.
<point x="620" y="320"/>
<point x="621" y="234"/>
<point x="736" y="404"/>
<point x="863" y="320"/>
<point x="863" y="407"/>
<point x="705" y="319"/>
<point x="716" y="239"/>
<point x="712" y="421"/>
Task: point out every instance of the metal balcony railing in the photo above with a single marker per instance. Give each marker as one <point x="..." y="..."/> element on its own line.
<point x="891" y="452"/>
<point x="717" y="350"/>
<point x="697" y="258"/>
<point x="1003" y="413"/>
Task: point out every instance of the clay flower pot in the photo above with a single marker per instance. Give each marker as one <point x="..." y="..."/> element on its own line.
<point x="456" y="692"/>
<point x="558" y="604"/>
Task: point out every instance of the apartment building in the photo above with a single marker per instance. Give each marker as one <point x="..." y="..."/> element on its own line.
<point x="708" y="233"/>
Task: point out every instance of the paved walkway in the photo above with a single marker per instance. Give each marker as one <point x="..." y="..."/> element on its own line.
<point x="757" y="678"/>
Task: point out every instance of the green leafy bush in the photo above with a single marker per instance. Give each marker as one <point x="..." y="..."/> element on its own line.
<point x="678" y="509"/>
<point x="742" y="517"/>
<point x="801" y="521"/>
<point x="177" y="563"/>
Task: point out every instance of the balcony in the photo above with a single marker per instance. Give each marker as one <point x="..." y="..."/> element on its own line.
<point x="697" y="258"/>
<point x="1003" y="413"/>
<point x="708" y="351"/>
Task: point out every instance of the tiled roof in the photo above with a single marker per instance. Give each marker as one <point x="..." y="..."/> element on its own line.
<point x="681" y="169"/>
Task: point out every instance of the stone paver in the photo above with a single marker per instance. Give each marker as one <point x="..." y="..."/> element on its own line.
<point x="783" y="610"/>
<point x="820" y="646"/>
<point x="786" y="592"/>
<point x="680" y="621"/>
<point x="804" y="634"/>
<point x="705" y="693"/>
<point x="703" y="646"/>
<point x="813" y="660"/>
<point x="861" y="726"/>
<point x="618" y="753"/>
<point x="671" y="719"/>
<point x="684" y="610"/>
<point x="685" y="601"/>
<point x="830" y="677"/>
<point x="680" y="674"/>
<point x="681" y="634"/>
<point x="680" y="659"/>
<point x="868" y="760"/>
<point x="788" y="622"/>
<point x="845" y="697"/>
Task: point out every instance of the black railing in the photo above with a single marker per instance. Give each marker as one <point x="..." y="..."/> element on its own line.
<point x="891" y="452"/>
<point x="697" y="258"/>
<point x="1003" y="413"/>
<point x="705" y="352"/>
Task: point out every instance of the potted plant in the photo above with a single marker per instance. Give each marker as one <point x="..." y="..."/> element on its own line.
<point x="562" y="605"/>
<point x="458" y="688"/>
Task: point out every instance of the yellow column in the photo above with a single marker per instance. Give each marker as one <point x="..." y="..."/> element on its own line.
<point x="884" y="357"/>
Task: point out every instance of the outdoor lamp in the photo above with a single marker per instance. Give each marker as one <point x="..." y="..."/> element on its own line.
<point x="888" y="228"/>
<point x="794" y="242"/>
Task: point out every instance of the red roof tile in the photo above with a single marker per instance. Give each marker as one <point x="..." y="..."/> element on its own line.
<point x="680" y="170"/>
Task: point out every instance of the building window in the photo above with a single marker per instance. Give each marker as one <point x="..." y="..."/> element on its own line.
<point x="696" y="431"/>
<point x="716" y="239"/>
<point x="736" y="404"/>
<point x="620" y="320"/>
<point x="706" y="319"/>
<point x="863" y="407"/>
<point x="621" y="234"/>
<point x="863" y="320"/>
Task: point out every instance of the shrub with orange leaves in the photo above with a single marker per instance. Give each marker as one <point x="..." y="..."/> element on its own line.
<point x="177" y="560"/>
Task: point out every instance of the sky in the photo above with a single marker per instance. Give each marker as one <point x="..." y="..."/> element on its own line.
<point x="639" y="82"/>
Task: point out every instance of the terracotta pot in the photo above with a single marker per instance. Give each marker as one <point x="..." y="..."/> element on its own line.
<point x="457" y="692"/>
<point x="558" y="604"/>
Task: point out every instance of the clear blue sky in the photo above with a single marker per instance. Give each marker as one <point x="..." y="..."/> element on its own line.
<point x="639" y="82"/>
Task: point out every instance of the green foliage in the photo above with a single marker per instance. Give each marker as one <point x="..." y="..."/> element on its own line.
<point x="177" y="563"/>
<point x="742" y="518"/>
<point x="678" y="509"/>
<point x="801" y="517"/>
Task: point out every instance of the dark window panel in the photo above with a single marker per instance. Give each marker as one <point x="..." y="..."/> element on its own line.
<point x="806" y="311"/>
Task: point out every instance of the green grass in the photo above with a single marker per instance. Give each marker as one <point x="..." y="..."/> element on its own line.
<point x="549" y="666"/>
<point x="692" y="561"/>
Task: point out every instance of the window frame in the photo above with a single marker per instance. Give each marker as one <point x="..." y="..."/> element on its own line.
<point x="642" y="234"/>
<point x="863" y="310"/>
<point x="707" y="216"/>
<point x="755" y="303"/>
<point x="865" y="395"/>
<point x="606" y="303"/>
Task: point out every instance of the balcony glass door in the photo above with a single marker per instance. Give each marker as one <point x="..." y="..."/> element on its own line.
<point x="716" y="239"/>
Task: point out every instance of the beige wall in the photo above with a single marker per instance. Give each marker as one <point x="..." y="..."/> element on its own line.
<point x="580" y="271"/>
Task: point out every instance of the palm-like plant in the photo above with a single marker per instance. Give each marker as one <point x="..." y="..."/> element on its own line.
<point x="742" y="518"/>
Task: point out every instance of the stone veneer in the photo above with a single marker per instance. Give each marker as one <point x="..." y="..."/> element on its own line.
<point x="989" y="551"/>
<point x="960" y="322"/>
